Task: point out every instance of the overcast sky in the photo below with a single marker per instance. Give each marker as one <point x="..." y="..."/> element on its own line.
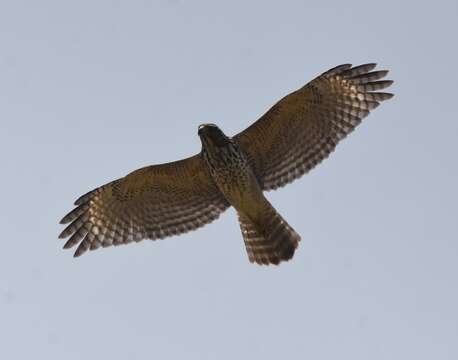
<point x="91" y="90"/>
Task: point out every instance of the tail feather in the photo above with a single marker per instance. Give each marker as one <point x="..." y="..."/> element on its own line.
<point x="271" y="240"/>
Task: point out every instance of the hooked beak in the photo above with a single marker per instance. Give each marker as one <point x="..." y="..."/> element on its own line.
<point x="200" y="129"/>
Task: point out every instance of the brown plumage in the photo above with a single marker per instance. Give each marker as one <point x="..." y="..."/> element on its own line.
<point x="289" y="140"/>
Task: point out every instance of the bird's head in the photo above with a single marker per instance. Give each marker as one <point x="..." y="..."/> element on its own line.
<point x="212" y="136"/>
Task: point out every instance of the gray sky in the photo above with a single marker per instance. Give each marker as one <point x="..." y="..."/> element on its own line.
<point x="91" y="90"/>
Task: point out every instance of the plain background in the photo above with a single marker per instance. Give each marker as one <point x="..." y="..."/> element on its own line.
<point x="91" y="90"/>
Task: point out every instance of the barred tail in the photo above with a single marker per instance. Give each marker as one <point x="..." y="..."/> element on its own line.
<point x="271" y="240"/>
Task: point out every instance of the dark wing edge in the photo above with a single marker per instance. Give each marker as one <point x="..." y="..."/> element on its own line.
<point x="319" y="116"/>
<point x="150" y="203"/>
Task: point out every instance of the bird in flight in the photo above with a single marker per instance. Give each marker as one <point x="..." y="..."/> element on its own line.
<point x="289" y="140"/>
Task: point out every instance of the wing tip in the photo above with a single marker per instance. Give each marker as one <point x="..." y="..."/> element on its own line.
<point x="79" y="251"/>
<point x="67" y="245"/>
<point x="84" y="198"/>
<point x="387" y="96"/>
<point x="388" y="82"/>
<point x="337" y="69"/>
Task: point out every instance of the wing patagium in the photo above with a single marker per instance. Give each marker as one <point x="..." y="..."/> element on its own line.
<point x="151" y="203"/>
<point x="304" y="127"/>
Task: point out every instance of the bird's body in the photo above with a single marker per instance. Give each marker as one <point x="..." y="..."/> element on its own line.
<point x="229" y="168"/>
<point x="235" y="178"/>
<point x="295" y="135"/>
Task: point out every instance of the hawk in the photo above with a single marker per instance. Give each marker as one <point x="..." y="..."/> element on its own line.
<point x="295" y="135"/>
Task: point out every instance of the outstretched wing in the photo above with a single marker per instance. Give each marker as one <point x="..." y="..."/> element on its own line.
<point x="305" y="126"/>
<point x="153" y="202"/>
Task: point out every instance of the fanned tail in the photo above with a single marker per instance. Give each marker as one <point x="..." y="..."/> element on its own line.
<point x="269" y="241"/>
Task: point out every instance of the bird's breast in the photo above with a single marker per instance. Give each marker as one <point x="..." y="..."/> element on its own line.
<point x="233" y="175"/>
